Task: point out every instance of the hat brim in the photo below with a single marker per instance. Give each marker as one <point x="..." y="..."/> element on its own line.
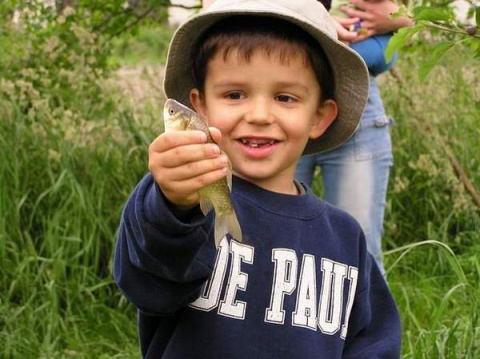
<point x="349" y="69"/>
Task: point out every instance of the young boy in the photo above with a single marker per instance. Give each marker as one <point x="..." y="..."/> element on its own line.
<point x="273" y="82"/>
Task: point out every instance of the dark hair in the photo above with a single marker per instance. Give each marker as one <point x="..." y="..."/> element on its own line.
<point x="249" y="33"/>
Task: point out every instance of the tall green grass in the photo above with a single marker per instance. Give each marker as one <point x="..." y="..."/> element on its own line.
<point x="432" y="225"/>
<point x="64" y="177"/>
<point x="61" y="195"/>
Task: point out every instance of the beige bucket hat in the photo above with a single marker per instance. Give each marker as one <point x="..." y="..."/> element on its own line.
<point x="349" y="70"/>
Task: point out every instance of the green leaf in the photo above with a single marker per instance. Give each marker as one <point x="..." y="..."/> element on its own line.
<point x="476" y="53"/>
<point x="402" y="11"/>
<point x="400" y="38"/>
<point x="438" y="51"/>
<point x="472" y="43"/>
<point x="431" y="14"/>
<point x="477" y="15"/>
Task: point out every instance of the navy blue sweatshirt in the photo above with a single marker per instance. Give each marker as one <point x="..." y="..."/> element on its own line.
<point x="300" y="285"/>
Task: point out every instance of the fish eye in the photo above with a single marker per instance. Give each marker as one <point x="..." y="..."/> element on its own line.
<point x="171" y="111"/>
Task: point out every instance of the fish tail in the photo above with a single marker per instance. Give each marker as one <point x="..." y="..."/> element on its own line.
<point x="225" y="223"/>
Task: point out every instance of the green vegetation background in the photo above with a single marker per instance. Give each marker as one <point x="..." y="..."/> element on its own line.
<point x="74" y="129"/>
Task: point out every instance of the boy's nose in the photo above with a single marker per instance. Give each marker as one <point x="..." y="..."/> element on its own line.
<point x="259" y="112"/>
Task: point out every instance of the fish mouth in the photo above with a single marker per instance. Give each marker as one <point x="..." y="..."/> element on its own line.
<point x="257" y="142"/>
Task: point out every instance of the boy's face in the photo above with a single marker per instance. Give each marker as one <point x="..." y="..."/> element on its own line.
<point x="267" y="110"/>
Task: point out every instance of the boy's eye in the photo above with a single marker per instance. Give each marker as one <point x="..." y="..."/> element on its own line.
<point x="285" y="98"/>
<point x="234" y="95"/>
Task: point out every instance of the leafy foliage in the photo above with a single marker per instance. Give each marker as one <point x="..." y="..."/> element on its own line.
<point x="436" y="23"/>
<point x="67" y="140"/>
<point x="57" y="55"/>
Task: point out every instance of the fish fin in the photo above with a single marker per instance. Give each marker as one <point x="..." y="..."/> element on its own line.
<point x="205" y="205"/>
<point x="227" y="223"/>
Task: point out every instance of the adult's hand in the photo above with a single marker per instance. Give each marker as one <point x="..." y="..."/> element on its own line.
<point x="375" y="17"/>
<point x="343" y="24"/>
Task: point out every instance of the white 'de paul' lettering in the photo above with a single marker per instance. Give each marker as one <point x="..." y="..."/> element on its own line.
<point x="320" y="302"/>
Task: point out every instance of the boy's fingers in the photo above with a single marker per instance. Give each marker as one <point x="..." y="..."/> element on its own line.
<point x="172" y="139"/>
<point x="186" y="146"/>
<point x="185" y="191"/>
<point x="199" y="181"/>
<point x="184" y="161"/>
<point x="183" y="155"/>
<point x="216" y="134"/>
<point x="199" y="168"/>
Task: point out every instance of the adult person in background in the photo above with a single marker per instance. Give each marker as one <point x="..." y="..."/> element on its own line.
<point x="355" y="174"/>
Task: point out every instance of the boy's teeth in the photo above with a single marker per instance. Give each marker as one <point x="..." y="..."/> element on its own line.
<point x="257" y="143"/>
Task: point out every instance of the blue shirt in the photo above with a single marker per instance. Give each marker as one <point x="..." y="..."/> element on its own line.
<point x="301" y="284"/>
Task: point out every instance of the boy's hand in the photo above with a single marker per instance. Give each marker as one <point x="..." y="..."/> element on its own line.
<point x="182" y="162"/>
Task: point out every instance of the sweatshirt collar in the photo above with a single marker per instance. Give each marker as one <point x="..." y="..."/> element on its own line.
<point x="302" y="206"/>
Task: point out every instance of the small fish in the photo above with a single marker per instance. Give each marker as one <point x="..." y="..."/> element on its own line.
<point x="216" y="195"/>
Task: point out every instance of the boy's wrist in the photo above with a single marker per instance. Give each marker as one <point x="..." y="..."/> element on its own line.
<point x="183" y="212"/>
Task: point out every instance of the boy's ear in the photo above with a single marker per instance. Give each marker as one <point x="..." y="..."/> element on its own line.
<point x="196" y="99"/>
<point x="324" y="117"/>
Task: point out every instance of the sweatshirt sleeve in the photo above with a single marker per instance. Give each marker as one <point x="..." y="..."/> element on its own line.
<point x="161" y="261"/>
<point x="374" y="328"/>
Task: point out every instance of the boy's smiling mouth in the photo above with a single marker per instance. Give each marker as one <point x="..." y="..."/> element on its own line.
<point x="258" y="148"/>
<point x="257" y="142"/>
